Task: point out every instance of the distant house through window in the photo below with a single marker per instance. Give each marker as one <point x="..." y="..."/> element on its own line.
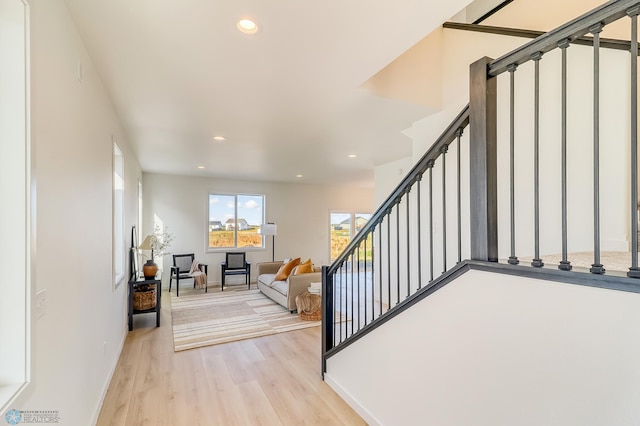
<point x="343" y="227"/>
<point x="234" y="221"/>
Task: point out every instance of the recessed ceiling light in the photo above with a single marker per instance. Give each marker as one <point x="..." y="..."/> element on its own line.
<point x="298" y="176"/>
<point x="352" y="155"/>
<point x="247" y="26"/>
<point x="201" y="167"/>
<point x="219" y="138"/>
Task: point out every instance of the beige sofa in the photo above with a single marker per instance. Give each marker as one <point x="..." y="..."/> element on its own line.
<point x="284" y="292"/>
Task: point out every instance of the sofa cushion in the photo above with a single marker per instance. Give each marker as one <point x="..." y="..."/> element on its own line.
<point x="281" y="287"/>
<point x="267" y="279"/>
<point x="285" y="270"/>
<point x="303" y="268"/>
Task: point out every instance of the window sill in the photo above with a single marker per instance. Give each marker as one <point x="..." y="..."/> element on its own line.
<point x="9" y="393"/>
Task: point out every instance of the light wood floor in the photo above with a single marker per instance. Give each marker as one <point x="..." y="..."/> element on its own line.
<point x="272" y="380"/>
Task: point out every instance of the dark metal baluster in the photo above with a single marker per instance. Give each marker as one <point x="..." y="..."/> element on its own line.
<point x="443" y="151"/>
<point x="389" y="257"/>
<point x="418" y="179"/>
<point x="353" y="319"/>
<point x="398" y="246"/>
<point x="328" y="331"/>
<point x="564" y="265"/>
<point x="373" y="269"/>
<point x="342" y="313"/>
<point x="597" y="267"/>
<point x="366" y="287"/>
<point x="459" y="136"/>
<point x="537" y="262"/>
<point x="513" y="259"/>
<point x="358" y="281"/>
<point x="380" y="262"/>
<point x="430" y="167"/>
<point x="408" y="250"/>
<point x="634" y="271"/>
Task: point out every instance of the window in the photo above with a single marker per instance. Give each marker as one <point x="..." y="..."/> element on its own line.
<point x="16" y="238"/>
<point x="234" y="221"/>
<point x="343" y="227"/>
<point x="118" y="215"/>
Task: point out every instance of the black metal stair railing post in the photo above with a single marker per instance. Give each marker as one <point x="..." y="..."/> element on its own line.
<point x="358" y="284"/>
<point x="328" y="316"/>
<point x="483" y="162"/>
<point x="419" y="235"/>
<point x="388" y="214"/>
<point x="564" y="265"/>
<point x="634" y="271"/>
<point x="459" y="194"/>
<point x="596" y="267"/>
<point x="352" y="312"/>
<point x="430" y="164"/>
<point x="513" y="259"/>
<point x="443" y="153"/>
<point x="380" y="262"/>
<point x="398" y="249"/>
<point x="408" y="254"/>
<point x="536" y="262"/>
<point x="366" y="287"/>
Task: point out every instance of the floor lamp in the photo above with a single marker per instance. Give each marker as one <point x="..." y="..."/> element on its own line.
<point x="270" y="229"/>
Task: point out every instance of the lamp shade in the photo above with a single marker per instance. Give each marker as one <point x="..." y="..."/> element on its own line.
<point x="146" y="244"/>
<point x="268" y="229"/>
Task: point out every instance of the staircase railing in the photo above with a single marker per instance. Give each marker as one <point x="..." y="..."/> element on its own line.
<point x="395" y="256"/>
<point x="377" y="270"/>
<point x="560" y="39"/>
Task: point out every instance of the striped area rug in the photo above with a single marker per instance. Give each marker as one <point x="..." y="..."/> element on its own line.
<point x="202" y="319"/>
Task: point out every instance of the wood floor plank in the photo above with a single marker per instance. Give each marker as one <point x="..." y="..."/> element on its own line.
<point x="271" y="380"/>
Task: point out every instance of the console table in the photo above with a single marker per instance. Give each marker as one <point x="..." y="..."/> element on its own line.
<point x="135" y="283"/>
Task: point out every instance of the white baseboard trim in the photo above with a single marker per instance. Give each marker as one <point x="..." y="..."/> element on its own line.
<point x="112" y="370"/>
<point x="353" y="403"/>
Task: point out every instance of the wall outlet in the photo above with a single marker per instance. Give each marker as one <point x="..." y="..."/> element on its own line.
<point x="41" y="303"/>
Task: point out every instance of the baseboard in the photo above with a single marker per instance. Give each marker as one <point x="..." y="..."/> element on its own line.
<point x="353" y="403"/>
<point x="112" y="370"/>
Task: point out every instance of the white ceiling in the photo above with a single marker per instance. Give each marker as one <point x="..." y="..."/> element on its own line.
<point x="288" y="98"/>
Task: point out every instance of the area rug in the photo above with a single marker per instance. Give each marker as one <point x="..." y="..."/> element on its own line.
<point x="202" y="319"/>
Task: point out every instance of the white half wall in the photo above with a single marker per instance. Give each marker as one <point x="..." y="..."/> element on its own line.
<point x="492" y="349"/>
<point x="300" y="211"/>
<point x="76" y="344"/>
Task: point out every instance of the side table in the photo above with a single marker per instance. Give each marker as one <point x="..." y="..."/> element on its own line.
<point x="133" y="285"/>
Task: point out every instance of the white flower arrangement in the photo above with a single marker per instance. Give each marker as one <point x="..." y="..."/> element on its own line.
<point x="157" y="242"/>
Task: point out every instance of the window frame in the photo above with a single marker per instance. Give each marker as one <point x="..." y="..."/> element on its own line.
<point x="208" y="248"/>
<point x="16" y="362"/>
<point x="118" y="228"/>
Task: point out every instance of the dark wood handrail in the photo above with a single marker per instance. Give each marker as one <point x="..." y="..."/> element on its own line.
<point x="605" y="14"/>
<point x="608" y="43"/>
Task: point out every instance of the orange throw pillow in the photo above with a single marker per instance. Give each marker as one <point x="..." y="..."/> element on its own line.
<point x="285" y="270"/>
<point x="304" y="268"/>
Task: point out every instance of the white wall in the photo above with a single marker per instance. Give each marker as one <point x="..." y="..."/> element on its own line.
<point x="300" y="211"/>
<point x="492" y="349"/>
<point x="78" y="341"/>
<point x="388" y="176"/>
